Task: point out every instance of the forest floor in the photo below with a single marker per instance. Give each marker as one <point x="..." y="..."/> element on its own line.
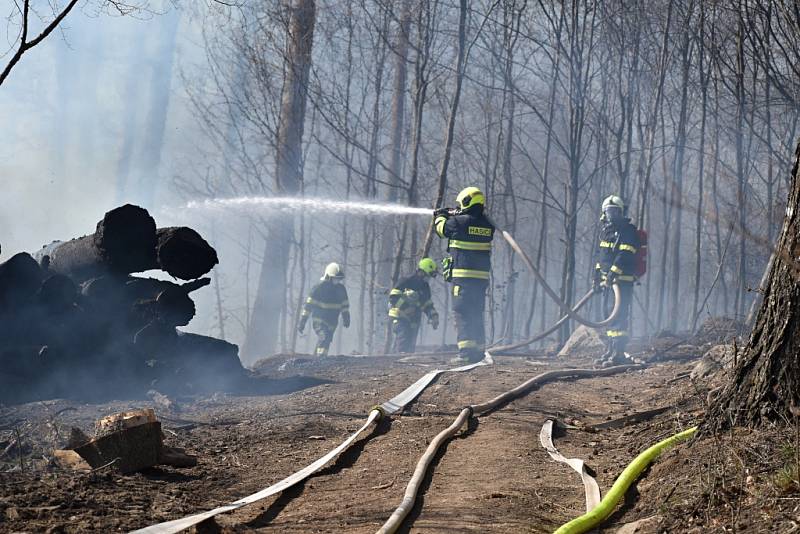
<point x="494" y="476"/>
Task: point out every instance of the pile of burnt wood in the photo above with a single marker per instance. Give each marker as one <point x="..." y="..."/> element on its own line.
<point x="74" y="322"/>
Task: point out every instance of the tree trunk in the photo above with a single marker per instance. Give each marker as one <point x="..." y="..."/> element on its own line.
<point x="451" y="121"/>
<point x="270" y="297"/>
<point x="156" y="119"/>
<point x="388" y="244"/>
<point x="766" y="383"/>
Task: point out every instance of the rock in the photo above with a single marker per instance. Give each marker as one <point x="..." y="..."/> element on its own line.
<point x="642" y="525"/>
<point x="67" y="459"/>
<point x="176" y="457"/>
<point x="716" y="358"/>
<point x="582" y="340"/>
<point x="163" y="402"/>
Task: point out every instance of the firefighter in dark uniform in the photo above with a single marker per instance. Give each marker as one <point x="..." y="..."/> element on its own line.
<point x="469" y="233"/>
<point x="619" y="242"/>
<point x="327" y="300"/>
<point x="409" y="299"/>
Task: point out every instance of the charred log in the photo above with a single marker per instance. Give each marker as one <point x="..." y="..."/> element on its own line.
<point x="184" y="254"/>
<point x="124" y="242"/>
<point x="20" y="278"/>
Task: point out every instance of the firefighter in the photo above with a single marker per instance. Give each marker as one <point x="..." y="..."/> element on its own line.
<point x="327" y="300"/>
<point x="617" y="248"/>
<point x="409" y="300"/>
<point x="469" y="233"/>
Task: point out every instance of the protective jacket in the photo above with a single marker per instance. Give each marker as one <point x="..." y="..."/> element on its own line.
<point x="618" y="244"/>
<point x="410" y="298"/>
<point x="469" y="243"/>
<point x="326" y="301"/>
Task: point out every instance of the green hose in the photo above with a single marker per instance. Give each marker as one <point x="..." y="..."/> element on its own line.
<point x="592" y="519"/>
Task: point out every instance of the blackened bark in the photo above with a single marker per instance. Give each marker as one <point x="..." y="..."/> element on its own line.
<point x="766" y="383"/>
<point x="183" y="253"/>
<point x="124" y="242"/>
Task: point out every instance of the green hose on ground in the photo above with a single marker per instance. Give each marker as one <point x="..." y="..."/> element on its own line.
<point x="592" y="519"/>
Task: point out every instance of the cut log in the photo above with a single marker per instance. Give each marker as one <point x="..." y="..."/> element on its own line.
<point x="128" y="450"/>
<point x="20" y="278"/>
<point x="57" y="292"/>
<point x="124" y="242"/>
<point x="131" y="441"/>
<point x="123" y="420"/>
<point x="184" y="254"/>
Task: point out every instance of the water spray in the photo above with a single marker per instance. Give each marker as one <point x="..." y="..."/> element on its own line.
<point x="305" y="204"/>
<point x="313" y="204"/>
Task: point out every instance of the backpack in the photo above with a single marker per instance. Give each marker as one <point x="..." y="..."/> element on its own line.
<point x="640" y="258"/>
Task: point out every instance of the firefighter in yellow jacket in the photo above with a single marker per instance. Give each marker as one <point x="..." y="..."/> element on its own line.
<point x="409" y="299"/>
<point x="328" y="299"/>
<point x="469" y="233"/>
<point x="616" y="250"/>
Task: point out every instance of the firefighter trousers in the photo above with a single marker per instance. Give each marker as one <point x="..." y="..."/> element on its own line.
<point x="405" y="335"/>
<point x="324" y="333"/>
<point x="469" y="303"/>
<point x="617" y="333"/>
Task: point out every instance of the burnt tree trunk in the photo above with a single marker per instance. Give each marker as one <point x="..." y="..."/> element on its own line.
<point x="766" y="382"/>
<point x="262" y="332"/>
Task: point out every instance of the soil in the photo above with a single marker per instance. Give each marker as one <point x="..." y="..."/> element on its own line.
<point x="494" y="476"/>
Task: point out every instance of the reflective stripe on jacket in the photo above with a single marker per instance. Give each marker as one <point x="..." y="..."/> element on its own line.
<point x="470" y="237"/>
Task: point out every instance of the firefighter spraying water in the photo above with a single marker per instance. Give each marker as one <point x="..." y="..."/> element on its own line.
<point x="469" y="232"/>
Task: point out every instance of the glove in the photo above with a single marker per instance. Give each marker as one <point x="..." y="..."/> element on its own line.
<point x="302" y="324"/>
<point x="441" y="212"/>
<point x="597" y="281"/>
<point x="434" y="320"/>
<point x="346" y="319"/>
<point x="611" y="278"/>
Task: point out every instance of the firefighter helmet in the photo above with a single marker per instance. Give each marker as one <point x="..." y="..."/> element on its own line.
<point x="613" y="207"/>
<point x="333" y="271"/>
<point x="468" y="197"/>
<point x="428" y="266"/>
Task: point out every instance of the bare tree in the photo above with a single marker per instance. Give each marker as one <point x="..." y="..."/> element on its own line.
<point x="270" y="296"/>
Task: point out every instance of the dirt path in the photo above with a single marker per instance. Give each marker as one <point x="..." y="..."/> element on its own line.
<point x="493" y="477"/>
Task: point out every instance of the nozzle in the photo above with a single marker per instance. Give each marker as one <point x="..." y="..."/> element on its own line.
<point x="444" y="211"/>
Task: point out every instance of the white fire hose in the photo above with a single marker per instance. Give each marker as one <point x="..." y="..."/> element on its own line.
<point x="397" y="403"/>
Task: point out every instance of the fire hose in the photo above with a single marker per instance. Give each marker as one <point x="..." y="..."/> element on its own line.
<point x="397" y="403"/>
<point x="390" y="407"/>
<point x="594" y="517"/>
<point x="410" y="496"/>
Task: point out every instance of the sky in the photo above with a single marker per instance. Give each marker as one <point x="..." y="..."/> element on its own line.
<point x="64" y="109"/>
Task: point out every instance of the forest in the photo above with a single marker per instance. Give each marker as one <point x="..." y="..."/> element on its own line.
<point x="291" y="134"/>
<point x="688" y="112"/>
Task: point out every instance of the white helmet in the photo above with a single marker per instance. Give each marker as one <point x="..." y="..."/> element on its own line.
<point x="613" y="207"/>
<point x="333" y="271"/>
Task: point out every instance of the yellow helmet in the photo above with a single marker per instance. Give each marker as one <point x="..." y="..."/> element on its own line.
<point x="428" y="266"/>
<point x="468" y="197"/>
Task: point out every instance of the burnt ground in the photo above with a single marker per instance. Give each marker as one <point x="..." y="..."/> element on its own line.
<point x="492" y="477"/>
